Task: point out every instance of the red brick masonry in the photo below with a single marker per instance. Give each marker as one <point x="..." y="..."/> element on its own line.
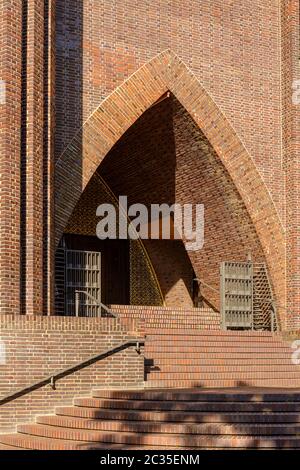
<point x="169" y="317"/>
<point x="37" y="347"/>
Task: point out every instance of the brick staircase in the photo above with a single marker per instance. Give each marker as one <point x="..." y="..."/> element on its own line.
<point x="170" y="317"/>
<point x="169" y="419"/>
<point x="179" y="354"/>
<point x="204" y="388"/>
<point x="185" y="359"/>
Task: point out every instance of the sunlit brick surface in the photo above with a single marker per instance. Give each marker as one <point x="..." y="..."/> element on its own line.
<point x="37" y="347"/>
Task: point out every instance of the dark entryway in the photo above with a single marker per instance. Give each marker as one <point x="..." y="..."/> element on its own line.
<point x="115" y="268"/>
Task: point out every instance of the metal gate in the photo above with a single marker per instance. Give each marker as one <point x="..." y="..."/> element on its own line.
<point x="83" y="283"/>
<point x="236" y="289"/>
<point x="264" y="305"/>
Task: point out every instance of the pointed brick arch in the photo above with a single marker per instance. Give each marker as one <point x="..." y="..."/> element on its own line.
<point x="166" y="72"/>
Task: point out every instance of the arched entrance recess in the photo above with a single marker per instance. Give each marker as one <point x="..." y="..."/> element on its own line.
<point x="166" y="72"/>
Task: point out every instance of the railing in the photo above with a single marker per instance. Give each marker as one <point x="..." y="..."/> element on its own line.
<point x="52" y="379"/>
<point x="97" y="303"/>
<point x="206" y="285"/>
<point x="204" y="299"/>
<point x="273" y="313"/>
<point x="268" y="300"/>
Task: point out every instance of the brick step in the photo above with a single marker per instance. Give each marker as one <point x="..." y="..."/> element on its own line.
<point x="7" y="447"/>
<point x="224" y="356"/>
<point x="182" y="320"/>
<point x="172" y="315"/>
<point x="209" y="347"/>
<point x="168" y="419"/>
<point x="20" y="441"/>
<point x="146" y="427"/>
<point x="231" y="333"/>
<point x="174" y="440"/>
<point x="199" y="378"/>
<point x="252" y="395"/>
<point x="162" y="311"/>
<point x="174" y="416"/>
<point x="215" y="383"/>
<point x="175" y="315"/>
<point x="224" y="378"/>
<point x="196" y="337"/>
<point x="197" y="361"/>
<point x="168" y="340"/>
<point x="225" y="372"/>
<point x="242" y="335"/>
<point x="174" y="371"/>
<point x="181" y="323"/>
<point x="218" y="358"/>
<point x="190" y="406"/>
<point x="175" y="327"/>
<point x="197" y="365"/>
<point x="198" y="319"/>
<point x="151" y="353"/>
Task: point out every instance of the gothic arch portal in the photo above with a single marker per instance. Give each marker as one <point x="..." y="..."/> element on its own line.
<point x="114" y="116"/>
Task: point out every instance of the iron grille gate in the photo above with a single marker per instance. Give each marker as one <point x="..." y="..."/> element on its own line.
<point x="236" y="289"/>
<point x="83" y="279"/>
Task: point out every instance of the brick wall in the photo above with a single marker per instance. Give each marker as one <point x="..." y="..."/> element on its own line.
<point x="10" y="138"/>
<point x="233" y="48"/>
<point x="36" y="347"/>
<point x="171" y="317"/>
<point x="291" y="144"/>
<point x="37" y="158"/>
<point x="144" y="286"/>
<point x="48" y="161"/>
<point x="231" y="85"/>
<point x="33" y="169"/>
<point x="125" y="105"/>
<point x="165" y="158"/>
<point x="143" y="166"/>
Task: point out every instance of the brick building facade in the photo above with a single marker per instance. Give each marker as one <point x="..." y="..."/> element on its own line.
<point x="185" y="102"/>
<point x="81" y="81"/>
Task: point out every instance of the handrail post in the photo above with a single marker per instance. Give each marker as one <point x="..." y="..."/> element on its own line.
<point x="52" y="379"/>
<point x="98" y="303"/>
<point x="52" y="383"/>
<point x="273" y="315"/>
<point x="77" y="300"/>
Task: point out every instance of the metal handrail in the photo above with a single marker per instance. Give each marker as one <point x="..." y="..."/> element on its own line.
<point x="96" y="302"/>
<point x="273" y="305"/>
<point x="271" y="300"/>
<point x="265" y="299"/>
<point x="205" y="284"/>
<point x="51" y="379"/>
